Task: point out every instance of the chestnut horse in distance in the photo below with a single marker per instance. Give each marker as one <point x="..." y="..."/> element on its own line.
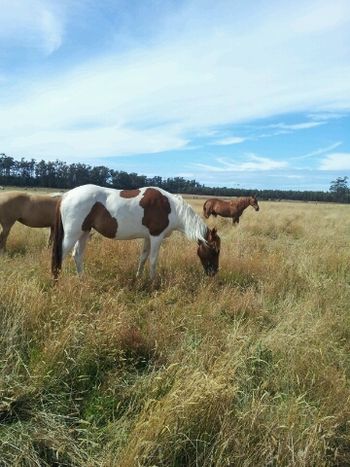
<point x="28" y="209"/>
<point x="233" y="208"/>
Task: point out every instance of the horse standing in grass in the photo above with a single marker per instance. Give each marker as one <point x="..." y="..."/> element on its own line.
<point x="233" y="208"/>
<point x="30" y="210"/>
<point x="148" y="213"/>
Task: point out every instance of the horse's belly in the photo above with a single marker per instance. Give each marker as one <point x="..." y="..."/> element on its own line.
<point x="34" y="222"/>
<point x="222" y="211"/>
<point x="130" y="230"/>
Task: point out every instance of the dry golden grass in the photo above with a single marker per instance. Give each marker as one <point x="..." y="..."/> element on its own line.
<point x="250" y="368"/>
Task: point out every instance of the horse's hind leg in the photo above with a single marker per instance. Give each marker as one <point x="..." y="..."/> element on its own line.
<point x="144" y="256"/>
<point x="69" y="240"/>
<point x="78" y="252"/>
<point x="49" y="243"/>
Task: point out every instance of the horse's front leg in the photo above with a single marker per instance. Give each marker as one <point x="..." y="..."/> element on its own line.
<point x="144" y="255"/>
<point x="3" y="236"/>
<point x="155" y="245"/>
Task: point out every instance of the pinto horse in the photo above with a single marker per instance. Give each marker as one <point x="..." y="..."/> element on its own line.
<point x="30" y="210"/>
<point x="149" y="213"/>
<point x="233" y="208"/>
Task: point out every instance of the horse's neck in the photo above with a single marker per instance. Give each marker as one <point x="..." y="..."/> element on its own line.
<point x="190" y="223"/>
<point x="243" y="204"/>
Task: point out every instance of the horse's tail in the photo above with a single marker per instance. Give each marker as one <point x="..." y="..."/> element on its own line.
<point x="206" y="209"/>
<point x="56" y="259"/>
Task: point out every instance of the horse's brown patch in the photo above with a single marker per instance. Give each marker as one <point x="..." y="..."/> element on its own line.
<point x="101" y="220"/>
<point x="129" y="193"/>
<point x="156" y="208"/>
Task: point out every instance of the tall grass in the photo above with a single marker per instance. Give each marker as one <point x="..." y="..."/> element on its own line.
<point x="250" y="368"/>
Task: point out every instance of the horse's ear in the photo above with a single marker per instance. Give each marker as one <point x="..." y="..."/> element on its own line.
<point x="214" y="232"/>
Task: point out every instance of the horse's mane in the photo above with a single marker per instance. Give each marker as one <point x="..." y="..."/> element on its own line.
<point x="193" y="226"/>
<point x="241" y="203"/>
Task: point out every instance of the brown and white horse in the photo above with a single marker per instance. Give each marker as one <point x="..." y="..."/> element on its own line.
<point x="233" y="208"/>
<point x="28" y="209"/>
<point x="149" y="213"/>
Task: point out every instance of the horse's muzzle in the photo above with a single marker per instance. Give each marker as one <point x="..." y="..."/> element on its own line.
<point x="211" y="271"/>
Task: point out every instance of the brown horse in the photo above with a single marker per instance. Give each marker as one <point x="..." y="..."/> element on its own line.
<point x="30" y="210"/>
<point x="233" y="208"/>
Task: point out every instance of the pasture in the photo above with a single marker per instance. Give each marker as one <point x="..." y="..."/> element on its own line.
<point x="248" y="368"/>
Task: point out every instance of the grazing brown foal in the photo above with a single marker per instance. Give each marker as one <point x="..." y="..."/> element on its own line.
<point x="233" y="208"/>
<point x="30" y="210"/>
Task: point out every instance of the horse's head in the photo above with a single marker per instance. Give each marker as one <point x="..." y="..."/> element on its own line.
<point x="209" y="252"/>
<point x="254" y="203"/>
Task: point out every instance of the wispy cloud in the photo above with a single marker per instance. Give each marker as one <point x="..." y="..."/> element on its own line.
<point x="319" y="151"/>
<point x="68" y="144"/>
<point x="192" y="74"/>
<point x="253" y="163"/>
<point x="35" y="24"/>
<point x="297" y="126"/>
<point x="230" y="140"/>
<point x="336" y="161"/>
<point x="327" y="16"/>
<point x="320" y="116"/>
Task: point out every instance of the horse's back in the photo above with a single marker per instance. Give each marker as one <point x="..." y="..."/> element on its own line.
<point x="131" y="213"/>
<point x="40" y="210"/>
<point x="31" y="210"/>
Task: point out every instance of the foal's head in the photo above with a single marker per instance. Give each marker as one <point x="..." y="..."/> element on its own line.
<point x="254" y="203"/>
<point x="209" y="251"/>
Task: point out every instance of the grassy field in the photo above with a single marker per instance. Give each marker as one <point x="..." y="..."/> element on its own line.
<point x="249" y="368"/>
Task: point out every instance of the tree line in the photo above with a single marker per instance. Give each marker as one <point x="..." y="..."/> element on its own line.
<point x="60" y="175"/>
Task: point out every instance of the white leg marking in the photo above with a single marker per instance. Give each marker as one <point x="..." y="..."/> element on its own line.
<point x="78" y="252"/>
<point x="69" y="241"/>
<point x="155" y="245"/>
<point x="144" y="255"/>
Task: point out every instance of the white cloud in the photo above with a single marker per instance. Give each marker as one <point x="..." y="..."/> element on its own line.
<point x="230" y="140"/>
<point x="319" y="116"/>
<point x="297" y="126"/>
<point x="319" y="151"/>
<point x="35" y="24"/>
<point x="336" y="161"/>
<point x="254" y="163"/>
<point x="113" y="139"/>
<point x="205" y="69"/>
<point x="321" y="16"/>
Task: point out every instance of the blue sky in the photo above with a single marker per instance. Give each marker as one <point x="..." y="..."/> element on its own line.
<point x="238" y="93"/>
